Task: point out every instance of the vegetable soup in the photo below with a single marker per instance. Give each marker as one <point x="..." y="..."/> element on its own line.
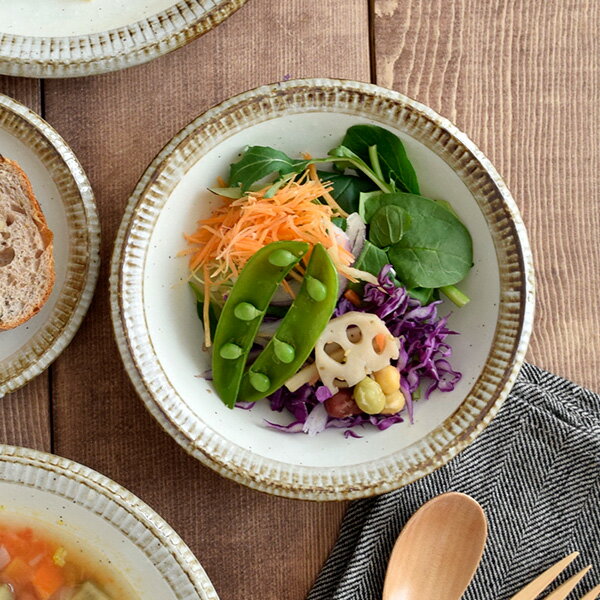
<point x="39" y="563"/>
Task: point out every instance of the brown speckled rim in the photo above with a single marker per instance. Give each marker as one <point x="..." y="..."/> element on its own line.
<point x="516" y="303"/>
<point x="122" y="510"/>
<point x="83" y="260"/>
<point x="116" y="49"/>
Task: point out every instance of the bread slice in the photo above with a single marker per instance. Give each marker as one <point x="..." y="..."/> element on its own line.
<point x="26" y="259"/>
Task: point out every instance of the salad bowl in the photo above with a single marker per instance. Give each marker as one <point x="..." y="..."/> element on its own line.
<point x="160" y="336"/>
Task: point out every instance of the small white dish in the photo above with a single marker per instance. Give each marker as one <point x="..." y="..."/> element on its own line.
<point x="113" y="524"/>
<point x="73" y="38"/>
<point x="160" y="337"/>
<point x="66" y="198"/>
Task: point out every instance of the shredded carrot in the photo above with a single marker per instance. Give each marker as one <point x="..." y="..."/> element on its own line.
<point x="352" y="296"/>
<point x="223" y="243"/>
<point x="312" y="171"/>
<point x="379" y="342"/>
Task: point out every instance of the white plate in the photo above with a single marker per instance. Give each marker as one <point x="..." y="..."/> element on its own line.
<point x="64" y="193"/>
<point x="160" y="335"/>
<point x="111" y="522"/>
<point x="71" y="38"/>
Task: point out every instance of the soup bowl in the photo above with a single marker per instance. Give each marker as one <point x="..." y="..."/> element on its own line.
<point x="80" y="506"/>
<point x="160" y="337"/>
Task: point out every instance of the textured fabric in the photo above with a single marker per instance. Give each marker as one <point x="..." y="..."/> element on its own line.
<point x="535" y="470"/>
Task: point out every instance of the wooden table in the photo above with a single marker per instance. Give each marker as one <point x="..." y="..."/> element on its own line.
<point x="521" y="77"/>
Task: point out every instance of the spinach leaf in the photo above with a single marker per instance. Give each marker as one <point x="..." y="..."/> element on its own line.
<point x="340" y="222"/>
<point x="259" y="162"/>
<point x="372" y="259"/>
<point x="394" y="162"/>
<point x="388" y="225"/>
<point x="423" y="295"/>
<point x="365" y="204"/>
<point x="437" y="249"/>
<point x="346" y="189"/>
<point x="227" y="192"/>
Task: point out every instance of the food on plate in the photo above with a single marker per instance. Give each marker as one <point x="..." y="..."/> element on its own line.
<point x="35" y="564"/>
<point x="26" y="258"/>
<point x="319" y="289"/>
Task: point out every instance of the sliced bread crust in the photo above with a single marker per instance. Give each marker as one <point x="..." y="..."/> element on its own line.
<point x="26" y="251"/>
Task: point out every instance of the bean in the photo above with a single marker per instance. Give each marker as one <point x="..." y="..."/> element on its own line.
<point x="284" y="352"/>
<point x="255" y="286"/>
<point x="282" y="258"/>
<point x="369" y="396"/>
<point x="246" y="311"/>
<point x="316" y="290"/>
<point x="388" y="378"/>
<point x="259" y="381"/>
<point x="342" y="405"/>
<point x="230" y="351"/>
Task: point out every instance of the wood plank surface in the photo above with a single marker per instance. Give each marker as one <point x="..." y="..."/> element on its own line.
<point x="25" y="414"/>
<point x="522" y="79"/>
<point x="252" y="545"/>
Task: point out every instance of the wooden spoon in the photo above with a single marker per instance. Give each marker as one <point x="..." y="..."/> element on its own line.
<point x="438" y="551"/>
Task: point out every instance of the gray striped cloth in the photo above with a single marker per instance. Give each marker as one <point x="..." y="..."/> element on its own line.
<point x="535" y="470"/>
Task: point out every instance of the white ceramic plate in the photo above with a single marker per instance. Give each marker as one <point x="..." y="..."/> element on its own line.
<point x="67" y="200"/>
<point x="111" y="522"/>
<point x="71" y="38"/>
<point x="160" y="336"/>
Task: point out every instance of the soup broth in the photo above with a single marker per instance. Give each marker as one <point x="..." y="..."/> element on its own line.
<point x="38" y="562"/>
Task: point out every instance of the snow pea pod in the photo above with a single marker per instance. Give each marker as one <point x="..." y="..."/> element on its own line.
<point x="298" y="332"/>
<point x="244" y="311"/>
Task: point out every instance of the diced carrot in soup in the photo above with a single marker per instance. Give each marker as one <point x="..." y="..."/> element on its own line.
<point x="47" y="578"/>
<point x="35" y="566"/>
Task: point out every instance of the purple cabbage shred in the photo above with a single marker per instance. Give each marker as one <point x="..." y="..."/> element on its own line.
<point x="424" y="360"/>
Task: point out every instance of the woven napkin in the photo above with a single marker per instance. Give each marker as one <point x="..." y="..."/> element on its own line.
<point x="536" y="472"/>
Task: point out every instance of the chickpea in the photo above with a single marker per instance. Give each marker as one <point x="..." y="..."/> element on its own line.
<point x="369" y="396"/>
<point x="388" y="378"/>
<point x="394" y="403"/>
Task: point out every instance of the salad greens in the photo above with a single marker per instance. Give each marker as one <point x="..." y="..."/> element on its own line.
<point x="428" y="246"/>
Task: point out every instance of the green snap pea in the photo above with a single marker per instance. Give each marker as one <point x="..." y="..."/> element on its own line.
<point x="255" y="286"/>
<point x="316" y="290"/>
<point x="259" y="381"/>
<point x="282" y="258"/>
<point x="284" y="352"/>
<point x="246" y="311"/>
<point x="299" y="329"/>
<point x="230" y="351"/>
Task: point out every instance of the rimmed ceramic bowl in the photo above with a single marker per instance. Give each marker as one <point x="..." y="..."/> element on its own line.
<point x="73" y="38"/>
<point x="65" y="195"/>
<point x="116" y="527"/>
<point x="160" y="337"/>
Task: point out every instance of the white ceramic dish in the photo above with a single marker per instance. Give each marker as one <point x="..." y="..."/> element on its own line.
<point x="72" y="38"/>
<point x="67" y="200"/>
<point x="115" y="525"/>
<point x="160" y="336"/>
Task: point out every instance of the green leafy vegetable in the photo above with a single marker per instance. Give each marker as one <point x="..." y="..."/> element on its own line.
<point x="372" y="259"/>
<point x="346" y="189"/>
<point x="388" y="225"/>
<point x="340" y="222"/>
<point x="364" y="199"/>
<point x="437" y="249"/>
<point x="259" y="162"/>
<point x="395" y="165"/>
<point x="227" y="192"/>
